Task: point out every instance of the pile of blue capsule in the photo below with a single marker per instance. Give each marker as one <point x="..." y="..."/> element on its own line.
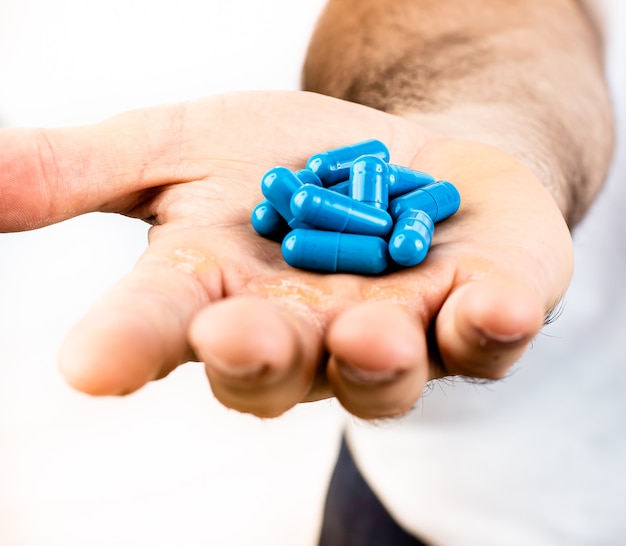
<point x="351" y="211"/>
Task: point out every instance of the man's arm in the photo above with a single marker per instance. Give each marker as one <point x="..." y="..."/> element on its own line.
<point x="525" y="76"/>
<point x="209" y="289"/>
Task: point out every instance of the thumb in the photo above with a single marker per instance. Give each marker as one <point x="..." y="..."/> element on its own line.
<point x="485" y="326"/>
<point x="50" y="175"/>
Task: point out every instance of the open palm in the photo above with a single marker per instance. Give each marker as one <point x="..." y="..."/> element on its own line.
<point x="208" y="288"/>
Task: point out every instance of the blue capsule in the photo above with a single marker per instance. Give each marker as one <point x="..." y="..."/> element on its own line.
<point x="308" y="177"/>
<point x="337" y="209"/>
<point x="369" y="177"/>
<point x="278" y="186"/>
<point x="332" y="211"/>
<point x="438" y="200"/>
<point x="404" y="180"/>
<point x="341" y="187"/>
<point x="334" y="165"/>
<point x="267" y="222"/>
<point x="411" y="238"/>
<point x="333" y="252"/>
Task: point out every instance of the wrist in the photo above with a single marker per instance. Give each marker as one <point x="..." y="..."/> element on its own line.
<point x="526" y="77"/>
<point x="570" y="163"/>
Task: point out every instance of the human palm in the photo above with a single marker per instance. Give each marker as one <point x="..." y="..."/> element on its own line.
<point x="208" y="288"/>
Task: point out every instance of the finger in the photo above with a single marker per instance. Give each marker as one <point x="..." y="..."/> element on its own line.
<point x="485" y="326"/>
<point x="50" y="175"/>
<point x="379" y="363"/>
<point x="259" y="358"/>
<point x="138" y="331"/>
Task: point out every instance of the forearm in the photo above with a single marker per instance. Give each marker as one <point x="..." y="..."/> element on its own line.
<point x="525" y="76"/>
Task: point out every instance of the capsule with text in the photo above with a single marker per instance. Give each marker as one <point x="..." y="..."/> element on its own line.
<point x="332" y="211"/>
<point x="333" y="166"/>
<point x="352" y="211"/>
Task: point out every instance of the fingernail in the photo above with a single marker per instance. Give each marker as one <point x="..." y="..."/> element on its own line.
<point x="486" y="336"/>
<point x="236" y="371"/>
<point x="367" y="378"/>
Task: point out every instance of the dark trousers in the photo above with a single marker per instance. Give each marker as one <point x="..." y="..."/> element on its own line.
<point x="353" y="515"/>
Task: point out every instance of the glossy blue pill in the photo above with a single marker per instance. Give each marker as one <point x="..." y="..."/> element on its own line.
<point x="332" y="252"/>
<point x="404" y="180"/>
<point x="308" y="177"/>
<point x="278" y="186"/>
<point x="267" y="222"/>
<point x="438" y="200"/>
<point x="411" y="238"/>
<point x="334" y="165"/>
<point x="332" y="211"/>
<point x="341" y="187"/>
<point x="369" y="178"/>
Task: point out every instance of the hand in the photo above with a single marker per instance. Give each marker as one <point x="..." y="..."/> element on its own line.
<point x="208" y="288"/>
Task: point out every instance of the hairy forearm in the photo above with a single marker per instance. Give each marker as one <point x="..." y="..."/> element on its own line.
<point x="523" y="75"/>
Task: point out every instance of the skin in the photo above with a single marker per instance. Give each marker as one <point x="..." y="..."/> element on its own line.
<point x="526" y="77"/>
<point x="208" y="288"/>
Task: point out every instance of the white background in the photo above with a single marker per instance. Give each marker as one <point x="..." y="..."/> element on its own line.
<point x="167" y="465"/>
